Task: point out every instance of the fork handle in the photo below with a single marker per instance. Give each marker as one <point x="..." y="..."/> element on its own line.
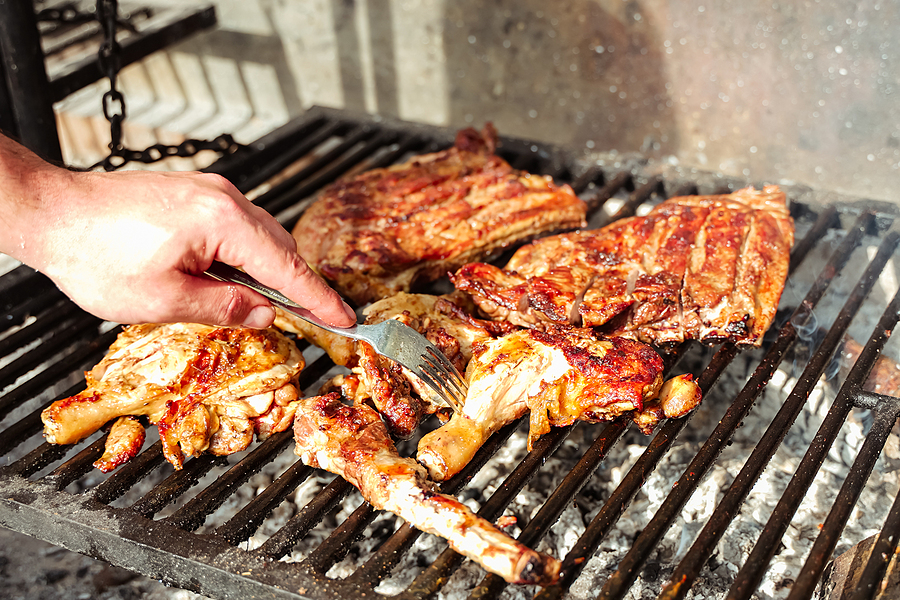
<point x="227" y="273"/>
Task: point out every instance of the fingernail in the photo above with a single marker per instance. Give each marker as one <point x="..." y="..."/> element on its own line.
<point x="260" y="317"/>
<point x="350" y="312"/>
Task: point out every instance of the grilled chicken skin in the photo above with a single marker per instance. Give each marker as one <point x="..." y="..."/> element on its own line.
<point x="377" y="233"/>
<point x="402" y="398"/>
<point x="206" y="388"/>
<point x="560" y="375"/>
<point x="710" y="268"/>
<point x="353" y="442"/>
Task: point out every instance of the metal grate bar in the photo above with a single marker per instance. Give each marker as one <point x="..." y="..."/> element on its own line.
<point x="286" y="191"/>
<point x="288" y="202"/>
<point x="689" y="567"/>
<point x="37" y="459"/>
<point x="192" y="515"/>
<point x="176" y="484"/>
<point x="389" y="554"/>
<point x="885" y="416"/>
<point x="492" y="585"/>
<point x="246" y="521"/>
<point x="76" y="466"/>
<point x="309" y="516"/>
<point x="621" y="180"/>
<point x="619" y="500"/>
<point x="126" y="476"/>
<point x="638" y="197"/>
<point x="44" y="321"/>
<point x="436" y="574"/>
<point x="58" y="338"/>
<point x="29" y="425"/>
<point x="628" y="568"/>
<point x="56" y="372"/>
<point x="880" y="557"/>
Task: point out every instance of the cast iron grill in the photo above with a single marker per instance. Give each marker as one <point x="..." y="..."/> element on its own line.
<point x="151" y="519"/>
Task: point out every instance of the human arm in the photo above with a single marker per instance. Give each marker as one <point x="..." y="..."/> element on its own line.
<point x="131" y="246"/>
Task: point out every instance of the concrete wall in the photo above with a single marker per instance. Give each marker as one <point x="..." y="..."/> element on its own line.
<point x="769" y="90"/>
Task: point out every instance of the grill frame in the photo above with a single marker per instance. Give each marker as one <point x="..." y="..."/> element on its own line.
<point x="210" y="563"/>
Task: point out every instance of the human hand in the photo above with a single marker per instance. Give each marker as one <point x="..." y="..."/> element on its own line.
<point x="131" y="246"/>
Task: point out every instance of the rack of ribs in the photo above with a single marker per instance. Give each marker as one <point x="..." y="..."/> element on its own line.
<point x="709" y="268"/>
<point x="353" y="442"/>
<point x="206" y="388"/>
<point x="377" y="233"/>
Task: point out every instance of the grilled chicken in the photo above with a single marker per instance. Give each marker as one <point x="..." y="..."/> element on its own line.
<point x="377" y="233"/>
<point x="401" y="397"/>
<point x="710" y="268"/>
<point x="352" y="442"/>
<point x="206" y="388"/>
<point x="560" y="375"/>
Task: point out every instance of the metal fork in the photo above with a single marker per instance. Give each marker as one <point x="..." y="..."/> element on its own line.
<point x="389" y="338"/>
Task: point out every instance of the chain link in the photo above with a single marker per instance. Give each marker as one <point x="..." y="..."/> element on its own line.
<point x="114" y="106"/>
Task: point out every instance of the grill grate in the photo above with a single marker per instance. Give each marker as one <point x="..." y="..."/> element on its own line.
<point x="145" y="516"/>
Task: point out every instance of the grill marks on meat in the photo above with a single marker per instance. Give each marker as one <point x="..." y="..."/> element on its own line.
<point x="560" y="375"/>
<point x="377" y="233"/>
<point x="206" y="388"/>
<point x="710" y="268"/>
<point x="353" y="442"/>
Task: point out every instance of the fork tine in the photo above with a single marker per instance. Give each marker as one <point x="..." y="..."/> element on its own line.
<point x="449" y="378"/>
<point x="446" y="382"/>
<point x="448" y="368"/>
<point x="432" y="377"/>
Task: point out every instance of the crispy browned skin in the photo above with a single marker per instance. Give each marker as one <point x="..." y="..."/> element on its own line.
<point x="353" y="442"/>
<point x="401" y="398"/>
<point x="125" y="439"/>
<point x="560" y="375"/>
<point x="205" y="387"/>
<point x="375" y="234"/>
<point x="710" y="268"/>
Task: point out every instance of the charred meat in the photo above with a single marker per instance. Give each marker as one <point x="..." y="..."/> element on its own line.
<point x="377" y="233"/>
<point x="709" y="268"/>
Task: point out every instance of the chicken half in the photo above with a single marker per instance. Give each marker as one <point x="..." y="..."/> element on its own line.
<point x="207" y="389"/>
<point x="710" y="268"/>
<point x="379" y="232"/>
<point x="560" y="375"/>
<point x="353" y="442"/>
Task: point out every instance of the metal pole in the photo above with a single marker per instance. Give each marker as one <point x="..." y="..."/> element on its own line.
<point x="26" y="79"/>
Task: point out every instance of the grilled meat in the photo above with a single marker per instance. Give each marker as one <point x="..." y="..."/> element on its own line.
<point x="206" y="388"/>
<point x="352" y="442"/>
<point x="377" y="233"/>
<point x="401" y="397"/>
<point x="125" y="440"/>
<point x="560" y="375"/>
<point x="710" y="268"/>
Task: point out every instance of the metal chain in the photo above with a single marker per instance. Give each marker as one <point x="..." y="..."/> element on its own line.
<point x="114" y="106"/>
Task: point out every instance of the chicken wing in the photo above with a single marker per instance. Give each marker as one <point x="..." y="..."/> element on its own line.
<point x="353" y="442"/>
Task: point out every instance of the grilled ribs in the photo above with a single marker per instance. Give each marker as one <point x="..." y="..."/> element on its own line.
<point x="710" y="268"/>
<point x="560" y="375"/>
<point x="353" y="442"/>
<point x="377" y="233"/>
<point x="206" y="388"/>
